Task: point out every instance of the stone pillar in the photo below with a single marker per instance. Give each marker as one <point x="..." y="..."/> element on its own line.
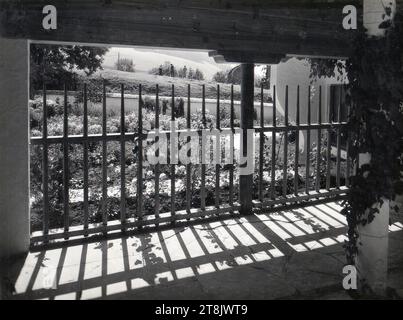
<point x="247" y="97"/>
<point x="14" y="147"/>
<point x="372" y="258"/>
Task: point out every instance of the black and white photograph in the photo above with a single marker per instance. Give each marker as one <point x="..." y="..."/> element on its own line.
<point x="201" y="154"/>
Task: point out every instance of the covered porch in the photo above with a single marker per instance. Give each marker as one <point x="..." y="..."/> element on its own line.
<point x="252" y="249"/>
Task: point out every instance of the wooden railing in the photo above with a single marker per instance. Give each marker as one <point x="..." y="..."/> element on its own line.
<point x="267" y="197"/>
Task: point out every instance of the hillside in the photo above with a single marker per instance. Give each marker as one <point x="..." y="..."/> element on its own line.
<point x="131" y="82"/>
<point x="145" y="59"/>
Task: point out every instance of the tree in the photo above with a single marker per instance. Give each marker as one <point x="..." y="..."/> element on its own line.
<point x="265" y="81"/>
<point x="190" y="73"/>
<point x="182" y="72"/>
<point x="198" y="75"/>
<point x="165" y="70"/>
<point x="220" y="76"/>
<point x="125" y="64"/>
<point x="57" y="65"/>
<point x="325" y="68"/>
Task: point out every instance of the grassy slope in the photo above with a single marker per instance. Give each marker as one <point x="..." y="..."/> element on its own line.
<point x="149" y="81"/>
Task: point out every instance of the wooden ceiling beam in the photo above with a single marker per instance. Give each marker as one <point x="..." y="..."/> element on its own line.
<point x="242" y="29"/>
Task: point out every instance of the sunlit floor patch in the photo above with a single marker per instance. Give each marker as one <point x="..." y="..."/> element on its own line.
<point x="142" y="261"/>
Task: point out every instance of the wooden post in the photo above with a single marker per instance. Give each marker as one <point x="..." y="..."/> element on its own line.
<point x="247" y="97"/>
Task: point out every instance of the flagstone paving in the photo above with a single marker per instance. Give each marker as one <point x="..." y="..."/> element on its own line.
<point x="294" y="254"/>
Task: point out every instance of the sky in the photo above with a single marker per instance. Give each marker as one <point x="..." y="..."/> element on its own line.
<point x="146" y="59"/>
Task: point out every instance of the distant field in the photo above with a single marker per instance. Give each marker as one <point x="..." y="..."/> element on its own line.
<point x="149" y="82"/>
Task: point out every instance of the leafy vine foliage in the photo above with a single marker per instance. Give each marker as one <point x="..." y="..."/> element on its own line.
<point x="376" y="127"/>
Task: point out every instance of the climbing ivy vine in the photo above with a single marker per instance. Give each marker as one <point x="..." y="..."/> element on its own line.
<point x="375" y="94"/>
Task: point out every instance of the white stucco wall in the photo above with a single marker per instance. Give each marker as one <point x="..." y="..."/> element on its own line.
<point x="294" y="72"/>
<point x="14" y="148"/>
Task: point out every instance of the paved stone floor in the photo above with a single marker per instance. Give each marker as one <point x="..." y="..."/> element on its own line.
<point x="295" y="254"/>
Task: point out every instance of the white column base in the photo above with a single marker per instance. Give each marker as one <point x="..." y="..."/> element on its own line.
<point x="372" y="243"/>
<point x="372" y="258"/>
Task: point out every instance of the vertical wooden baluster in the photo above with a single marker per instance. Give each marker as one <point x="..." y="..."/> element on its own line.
<point x="157" y="153"/>
<point x="319" y="142"/>
<point x="357" y="164"/>
<point x="296" y="161"/>
<point x="285" y="154"/>
<point x="273" y="148"/>
<point x="188" y="166"/>
<point x="172" y="156"/>
<point x="231" y="169"/>
<point x="104" y="160"/>
<point x="218" y="150"/>
<point x="356" y="161"/>
<point x="329" y="145"/>
<point x="338" y="141"/>
<point x="203" y="166"/>
<point x="261" y="145"/>
<point x="45" y="167"/>
<point x="308" y="144"/>
<point x="348" y="160"/>
<point x="86" y="183"/>
<point x="140" y="157"/>
<point x="66" y="204"/>
<point x="122" y="158"/>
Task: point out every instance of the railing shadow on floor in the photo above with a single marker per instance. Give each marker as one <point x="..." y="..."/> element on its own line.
<point x="197" y="261"/>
